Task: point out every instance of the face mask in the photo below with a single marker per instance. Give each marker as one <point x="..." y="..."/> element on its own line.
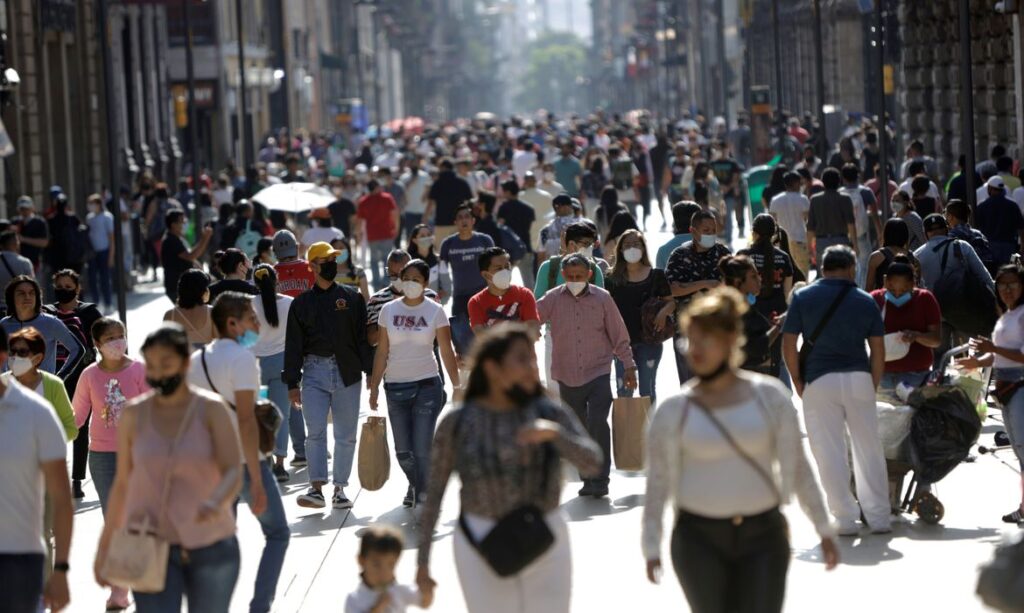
<point x="19" y="365"/>
<point x="576" y="287"/>
<point x="897" y="302"/>
<point x="549" y="176"/>
<point x="587" y="252"/>
<point x="565" y="217"/>
<point x="751" y="299"/>
<point x="708" y="241"/>
<point x="395" y="284"/>
<point x="502" y="279"/>
<point x="114" y="349"/>
<point x="521" y="396"/>
<point x="167" y="385"/>
<point x="342" y="257"/>
<point x="64" y="295"/>
<point x="247" y="339"/>
<point x="897" y="207"/>
<point x="411" y="289"/>
<point x="328" y="270"/>
<point x="424" y="243"/>
<point x="633" y="254"/>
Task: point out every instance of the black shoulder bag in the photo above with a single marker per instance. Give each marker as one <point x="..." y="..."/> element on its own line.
<point x="808" y="346"/>
<point x="268" y="416"/>
<point x="519" y="537"/>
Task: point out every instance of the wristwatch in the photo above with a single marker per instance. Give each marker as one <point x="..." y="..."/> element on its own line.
<point x="61" y="567"/>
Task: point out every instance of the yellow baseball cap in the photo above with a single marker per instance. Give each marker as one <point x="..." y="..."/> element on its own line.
<point x="321" y="250"/>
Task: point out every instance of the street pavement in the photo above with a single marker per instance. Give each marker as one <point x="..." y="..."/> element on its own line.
<point x="917" y="567"/>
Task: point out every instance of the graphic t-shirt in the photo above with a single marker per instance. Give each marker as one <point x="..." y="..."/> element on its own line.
<point x="411" y="334"/>
<point x="294" y="277"/>
<point x="517" y="304"/>
<point x="461" y="257"/>
<point x="105" y="395"/>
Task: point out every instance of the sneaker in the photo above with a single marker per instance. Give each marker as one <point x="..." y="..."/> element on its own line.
<point x="849" y="528"/>
<point x="76" y="489"/>
<point x="313" y="499"/>
<point x="280" y="473"/>
<point x="1014" y="518"/>
<point x="299" y="460"/>
<point x="409" y="501"/>
<point x="586" y="490"/>
<point x="599" y="491"/>
<point x="339" y="501"/>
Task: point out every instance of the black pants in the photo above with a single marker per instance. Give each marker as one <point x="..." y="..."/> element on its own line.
<point x="23" y="582"/>
<point x="591" y="402"/>
<point x="728" y="568"/>
<point x="80" y="451"/>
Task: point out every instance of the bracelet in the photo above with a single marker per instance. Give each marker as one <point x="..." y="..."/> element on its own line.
<point x="61" y="567"/>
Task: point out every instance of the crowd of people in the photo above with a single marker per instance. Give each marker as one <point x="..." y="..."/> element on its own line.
<point x="406" y="282"/>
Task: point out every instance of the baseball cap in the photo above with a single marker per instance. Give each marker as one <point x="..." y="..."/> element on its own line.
<point x="996" y="181"/>
<point x="935" y="221"/>
<point x="321" y="250"/>
<point x="56" y="189"/>
<point x="562" y="199"/>
<point x="320" y="214"/>
<point x="576" y="205"/>
<point x="284" y="245"/>
<point x="25" y="202"/>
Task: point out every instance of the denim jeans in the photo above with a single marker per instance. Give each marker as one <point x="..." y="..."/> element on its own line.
<point x="379" y="251"/>
<point x="647" y="357"/>
<point x="410" y="221"/>
<point x="206" y="579"/>
<point x="413" y="408"/>
<point x="1013" y="411"/>
<point x="324" y="392"/>
<point x="99" y="277"/>
<point x="23" y="582"/>
<point x="891" y="380"/>
<point x="291" y="424"/>
<point x="102" y="465"/>
<point x="462" y="333"/>
<point x="274" y="524"/>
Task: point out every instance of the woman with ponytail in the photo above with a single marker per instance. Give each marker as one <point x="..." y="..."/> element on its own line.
<point x="739" y="272"/>
<point x="272" y="314"/>
<point x="776" y="268"/>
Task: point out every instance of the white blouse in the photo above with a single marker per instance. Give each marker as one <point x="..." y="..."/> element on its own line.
<point x="1009" y="334"/>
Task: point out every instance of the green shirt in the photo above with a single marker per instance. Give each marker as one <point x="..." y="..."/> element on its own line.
<point x="542" y="286"/>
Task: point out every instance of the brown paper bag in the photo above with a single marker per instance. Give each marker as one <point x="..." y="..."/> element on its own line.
<point x="629" y="429"/>
<point x="374" y="457"/>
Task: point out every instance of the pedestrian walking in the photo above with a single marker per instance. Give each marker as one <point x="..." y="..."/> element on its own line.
<point x="187" y="432"/>
<point x="727" y="452"/>
<point x="23" y="292"/>
<point x="421" y="247"/>
<point x="101" y="239"/>
<point x="349" y="273"/>
<point x="446" y="193"/>
<point x="837" y="380"/>
<point x="396" y="261"/>
<point x="1001" y="221"/>
<point x="192" y="309"/>
<point x="235" y="268"/>
<point x="903" y="208"/>
<point x="520" y="218"/>
<point x="27" y="350"/>
<point x="12" y="263"/>
<point x="777" y="272"/>
<point x="381" y="217"/>
<point x="682" y="215"/>
<point x="409" y="327"/>
<point x="759" y="331"/>
<point x="895" y="243"/>
<point x="33" y="232"/>
<point x="505" y="442"/>
<point x="830" y="219"/>
<point x="501" y="301"/>
<point x="379" y="550"/>
<point x="459" y="253"/>
<point x="294" y="275"/>
<point x="791" y="209"/>
<point x="175" y="255"/>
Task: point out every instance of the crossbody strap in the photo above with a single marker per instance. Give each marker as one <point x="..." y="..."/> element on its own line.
<point x="832" y="308"/>
<point x="7" y="266"/>
<point x="206" y="371"/>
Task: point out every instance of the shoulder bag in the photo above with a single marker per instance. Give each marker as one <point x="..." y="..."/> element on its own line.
<point x="808" y="346"/>
<point x="136" y="555"/>
<point x="268" y="416"/>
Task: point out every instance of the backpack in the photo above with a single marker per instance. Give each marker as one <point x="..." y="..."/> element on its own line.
<point x="511" y="242"/>
<point x="248" y="239"/>
<point x="967" y="303"/>
<point x="977" y="240"/>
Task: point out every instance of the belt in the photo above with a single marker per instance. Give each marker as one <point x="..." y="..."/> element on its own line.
<point x="736" y="520"/>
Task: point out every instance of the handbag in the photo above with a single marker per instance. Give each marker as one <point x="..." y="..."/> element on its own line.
<point x="808" y="346"/>
<point x="137" y="555"/>
<point x="1005" y="390"/>
<point x="268" y="416"/>
<point x="520" y="536"/>
<point x="649" y="316"/>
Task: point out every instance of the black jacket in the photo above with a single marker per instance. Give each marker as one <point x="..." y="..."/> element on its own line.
<point x="329" y="322"/>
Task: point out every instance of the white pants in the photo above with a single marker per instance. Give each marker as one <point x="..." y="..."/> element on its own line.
<point x="543" y="587"/>
<point x="832" y="404"/>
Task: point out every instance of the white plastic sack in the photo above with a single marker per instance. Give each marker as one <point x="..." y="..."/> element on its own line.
<point x="895" y="347"/>
<point x="893" y="428"/>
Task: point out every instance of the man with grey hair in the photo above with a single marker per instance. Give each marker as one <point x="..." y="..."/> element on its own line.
<point x="587" y="331"/>
<point x="837" y="379"/>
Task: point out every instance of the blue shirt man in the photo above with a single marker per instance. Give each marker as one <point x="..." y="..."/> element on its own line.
<point x="682" y="214"/>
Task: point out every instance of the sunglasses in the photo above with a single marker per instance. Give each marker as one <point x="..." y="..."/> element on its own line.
<point x="21" y="353"/>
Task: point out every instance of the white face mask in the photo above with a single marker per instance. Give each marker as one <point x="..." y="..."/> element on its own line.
<point x="113" y="350"/>
<point x="502" y="279"/>
<point x="587" y="252"/>
<point x="549" y="177"/>
<point x="19" y="366"/>
<point x="897" y="207"/>
<point x="411" y="289"/>
<point x="708" y="241"/>
<point x="576" y="287"/>
<point x="424" y="242"/>
<point x="633" y="254"/>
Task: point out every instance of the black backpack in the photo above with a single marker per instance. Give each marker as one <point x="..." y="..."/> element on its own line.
<point x="966" y="301"/>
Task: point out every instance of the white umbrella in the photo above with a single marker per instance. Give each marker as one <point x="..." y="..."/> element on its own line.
<point x="294" y="197"/>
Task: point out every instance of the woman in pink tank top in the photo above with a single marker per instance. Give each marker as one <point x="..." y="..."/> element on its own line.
<point x="185" y="440"/>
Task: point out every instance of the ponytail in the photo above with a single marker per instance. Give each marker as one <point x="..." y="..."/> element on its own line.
<point x="266" y="282"/>
<point x="765" y="226"/>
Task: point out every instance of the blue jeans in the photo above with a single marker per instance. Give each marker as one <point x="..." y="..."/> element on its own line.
<point x="291" y="424"/>
<point x="891" y="380"/>
<point x="274" y="523"/>
<point x="102" y="465"/>
<point x="379" y="251"/>
<point x="647" y="357"/>
<point x="23" y="582"/>
<point x="324" y="392"/>
<point x="1013" y="412"/>
<point x="413" y="408"/>
<point x="207" y="580"/>
<point x="462" y="333"/>
<point x="99" y="277"/>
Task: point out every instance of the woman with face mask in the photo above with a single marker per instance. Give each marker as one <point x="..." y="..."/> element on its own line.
<point x="27" y="349"/>
<point x="192" y="310"/>
<point x="105" y="388"/>
<point x="506" y="442"/>
<point x="903" y="208"/>
<point x="236" y="269"/>
<point x="183" y="431"/>
<point x="348" y="272"/>
<point x="895" y="237"/>
<point x="404" y="360"/>
<point x="24" y="303"/>
<point x="633" y="282"/>
<point x="727" y="452"/>
<point x="421" y="247"/>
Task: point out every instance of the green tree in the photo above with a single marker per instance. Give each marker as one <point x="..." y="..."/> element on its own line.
<point x="555" y="62"/>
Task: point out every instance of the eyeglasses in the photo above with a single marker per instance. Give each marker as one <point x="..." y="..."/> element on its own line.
<point x="1012" y="285"/>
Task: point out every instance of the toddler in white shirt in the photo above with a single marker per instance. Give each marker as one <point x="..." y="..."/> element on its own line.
<point x="378" y="592"/>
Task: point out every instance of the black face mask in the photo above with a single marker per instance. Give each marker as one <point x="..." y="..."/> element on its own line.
<point x="64" y="295"/>
<point x="521" y="396"/>
<point x="716" y="373"/>
<point x="328" y="270"/>
<point x="167" y="385"/>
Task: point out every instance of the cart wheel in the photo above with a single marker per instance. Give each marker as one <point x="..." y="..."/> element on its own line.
<point x="929" y="509"/>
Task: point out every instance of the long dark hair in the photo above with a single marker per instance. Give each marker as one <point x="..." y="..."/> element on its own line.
<point x="1009" y="269"/>
<point x="492" y="346"/>
<point x="266" y="282"/>
<point x="765" y="226"/>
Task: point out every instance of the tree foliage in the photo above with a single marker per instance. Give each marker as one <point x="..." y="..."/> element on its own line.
<point x="555" y="62"/>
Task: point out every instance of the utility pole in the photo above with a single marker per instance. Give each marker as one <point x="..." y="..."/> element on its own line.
<point x="243" y="130"/>
<point x="777" y="43"/>
<point x="967" y="104"/>
<point x="102" y="27"/>
<point x="819" y="69"/>
<point x="193" y="131"/>
<point x="883" y="131"/>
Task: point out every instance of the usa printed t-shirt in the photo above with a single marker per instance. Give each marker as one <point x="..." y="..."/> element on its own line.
<point x="411" y="333"/>
<point x="518" y="304"/>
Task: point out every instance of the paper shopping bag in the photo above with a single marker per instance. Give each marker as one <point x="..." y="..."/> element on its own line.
<point x="629" y="429"/>
<point x="374" y="457"/>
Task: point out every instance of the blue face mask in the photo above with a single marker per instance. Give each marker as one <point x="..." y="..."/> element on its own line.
<point x="342" y="257"/>
<point x="897" y="302"/>
<point x="247" y="339"/>
<point x="751" y="299"/>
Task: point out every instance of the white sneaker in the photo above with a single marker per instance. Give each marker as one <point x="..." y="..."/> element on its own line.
<point x="339" y="500"/>
<point x="849" y="528"/>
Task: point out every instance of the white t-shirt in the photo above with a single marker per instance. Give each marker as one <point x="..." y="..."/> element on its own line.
<point x="365" y="598"/>
<point x="232" y="369"/>
<point x="411" y="334"/>
<point x="523" y="161"/>
<point x="30" y="435"/>
<point x="415" y="187"/>
<point x="1018" y="197"/>
<point x="271" y="339"/>
<point x="933" y="189"/>
<point x="790" y="208"/>
<point x="316" y="235"/>
<point x="1009" y="333"/>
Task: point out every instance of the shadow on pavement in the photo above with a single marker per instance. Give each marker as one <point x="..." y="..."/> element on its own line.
<point x="867" y="550"/>
<point x="587" y="508"/>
